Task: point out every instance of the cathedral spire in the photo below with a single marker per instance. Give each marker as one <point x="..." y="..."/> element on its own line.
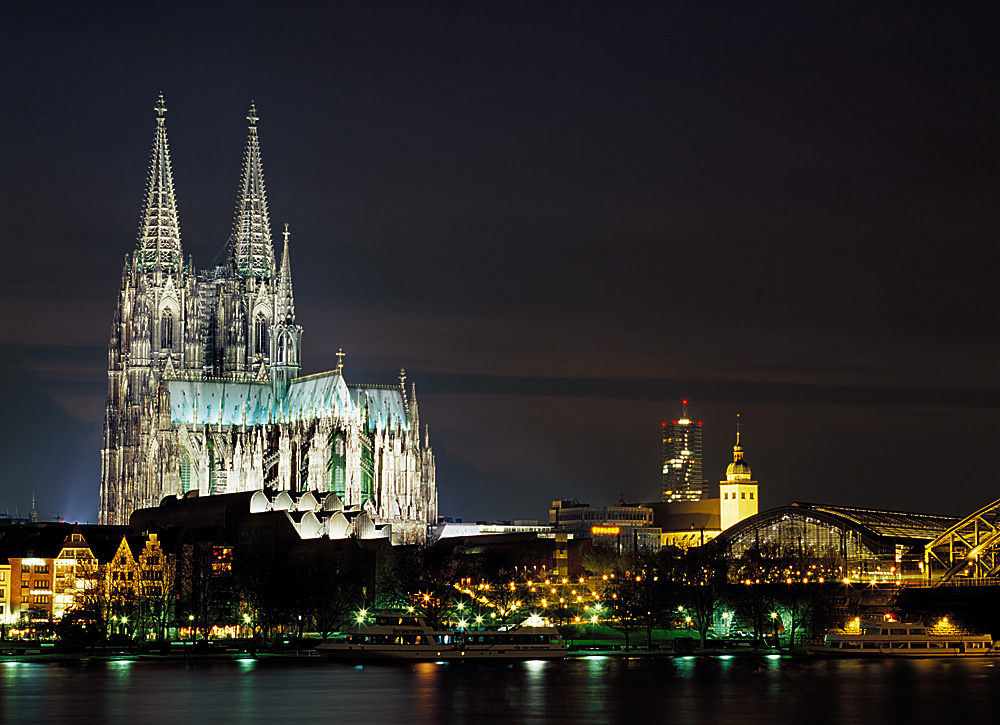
<point x="286" y="340"/>
<point x="159" y="246"/>
<point x="285" y="300"/>
<point x="252" y="255"/>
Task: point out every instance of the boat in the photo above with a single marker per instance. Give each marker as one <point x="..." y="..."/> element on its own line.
<point x="897" y="639"/>
<point x="408" y="636"/>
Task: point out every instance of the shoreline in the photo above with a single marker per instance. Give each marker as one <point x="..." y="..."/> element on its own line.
<point x="301" y="656"/>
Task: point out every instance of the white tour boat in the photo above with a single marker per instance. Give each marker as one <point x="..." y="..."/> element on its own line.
<point x="406" y="636"/>
<point x="896" y="639"/>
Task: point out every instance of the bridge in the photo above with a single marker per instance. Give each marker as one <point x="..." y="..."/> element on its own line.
<point x="967" y="553"/>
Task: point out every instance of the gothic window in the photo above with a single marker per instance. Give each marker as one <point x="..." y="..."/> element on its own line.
<point x="260" y="334"/>
<point x="167" y="330"/>
<point x="286" y="352"/>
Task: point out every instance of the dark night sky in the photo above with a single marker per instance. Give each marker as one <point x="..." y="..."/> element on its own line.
<point x="559" y="217"/>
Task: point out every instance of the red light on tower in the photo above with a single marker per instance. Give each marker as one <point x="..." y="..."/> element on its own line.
<point x="675" y="422"/>
<point x="684" y="402"/>
<point x="699" y="422"/>
<point x="664" y="424"/>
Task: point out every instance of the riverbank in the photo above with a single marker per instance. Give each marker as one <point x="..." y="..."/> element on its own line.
<point x="305" y="655"/>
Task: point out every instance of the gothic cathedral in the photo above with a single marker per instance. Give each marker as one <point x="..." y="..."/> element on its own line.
<point x="204" y="387"/>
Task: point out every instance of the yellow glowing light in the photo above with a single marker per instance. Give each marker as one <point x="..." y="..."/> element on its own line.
<point x="605" y="530"/>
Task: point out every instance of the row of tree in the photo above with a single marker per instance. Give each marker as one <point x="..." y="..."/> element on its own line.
<point x="260" y="592"/>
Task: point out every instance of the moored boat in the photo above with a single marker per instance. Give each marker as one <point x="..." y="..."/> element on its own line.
<point x="897" y="639"/>
<point x="407" y="636"/>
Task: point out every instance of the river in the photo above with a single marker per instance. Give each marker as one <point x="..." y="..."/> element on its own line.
<point x="741" y="689"/>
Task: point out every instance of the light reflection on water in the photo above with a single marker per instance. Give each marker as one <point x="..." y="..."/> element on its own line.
<point x="584" y="690"/>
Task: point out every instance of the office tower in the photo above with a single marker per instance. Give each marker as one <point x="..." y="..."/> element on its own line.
<point x="682" y="472"/>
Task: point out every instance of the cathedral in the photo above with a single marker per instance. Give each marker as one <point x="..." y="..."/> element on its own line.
<point x="205" y="392"/>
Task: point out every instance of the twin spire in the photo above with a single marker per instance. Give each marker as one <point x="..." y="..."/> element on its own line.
<point x="159" y="247"/>
<point x="251" y="253"/>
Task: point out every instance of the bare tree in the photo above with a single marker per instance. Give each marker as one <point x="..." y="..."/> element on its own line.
<point x="623" y="596"/>
<point x="701" y="577"/>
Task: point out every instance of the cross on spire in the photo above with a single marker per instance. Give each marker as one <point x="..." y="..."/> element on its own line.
<point x="160" y="108"/>
<point x="252" y="115"/>
<point x="340" y="360"/>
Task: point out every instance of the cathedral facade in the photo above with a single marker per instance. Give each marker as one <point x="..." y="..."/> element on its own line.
<point x="205" y="393"/>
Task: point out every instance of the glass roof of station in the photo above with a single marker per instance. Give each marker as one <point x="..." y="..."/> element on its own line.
<point x="897" y="524"/>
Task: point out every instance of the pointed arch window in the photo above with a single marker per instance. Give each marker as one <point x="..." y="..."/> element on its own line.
<point x="167" y="330"/>
<point x="282" y="349"/>
<point x="260" y="334"/>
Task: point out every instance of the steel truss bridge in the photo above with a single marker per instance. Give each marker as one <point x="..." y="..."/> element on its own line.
<point x="967" y="553"/>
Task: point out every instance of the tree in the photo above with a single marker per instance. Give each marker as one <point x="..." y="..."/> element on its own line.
<point x="336" y="592"/>
<point x="624" y="601"/>
<point x="259" y="583"/>
<point x="206" y="586"/>
<point x="428" y="575"/>
<point x="701" y="577"/>
<point x="753" y="593"/>
<point x="653" y="575"/>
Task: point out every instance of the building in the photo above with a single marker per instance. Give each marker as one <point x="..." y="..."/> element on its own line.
<point x="682" y="467"/>
<point x="625" y="526"/>
<point x="694" y="523"/>
<point x="205" y="391"/>
<point x="42" y="566"/>
<point x="842" y="542"/>
<point x="684" y="524"/>
<point x="738" y="493"/>
<point x="275" y="520"/>
<point x="5" y="610"/>
<point x="451" y="529"/>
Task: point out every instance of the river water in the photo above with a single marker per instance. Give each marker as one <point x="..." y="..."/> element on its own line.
<point x="742" y="689"/>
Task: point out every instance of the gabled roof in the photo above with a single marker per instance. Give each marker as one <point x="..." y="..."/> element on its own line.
<point x="220" y="402"/>
<point x="386" y="405"/>
<point x="46" y="540"/>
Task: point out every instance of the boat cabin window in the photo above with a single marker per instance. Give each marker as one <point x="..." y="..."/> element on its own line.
<point x="897" y="631"/>
<point x="918" y="645"/>
<point x="918" y="630"/>
<point x="899" y="645"/>
<point x="397" y="620"/>
<point x="870" y="645"/>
